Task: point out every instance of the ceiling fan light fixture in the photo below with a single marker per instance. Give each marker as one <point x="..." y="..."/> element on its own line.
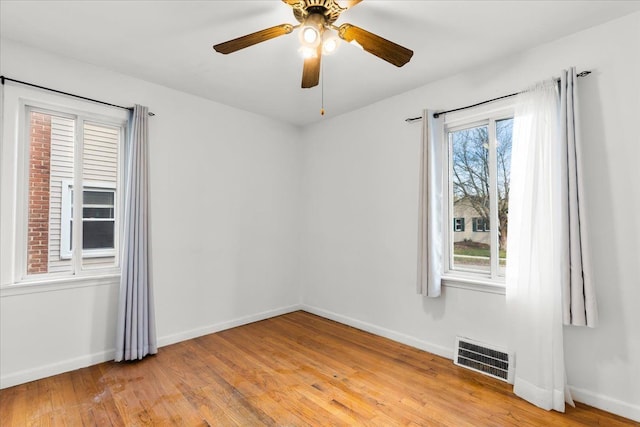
<point x="308" y="52"/>
<point x="309" y="35"/>
<point x="330" y="43"/>
<point x="312" y="29"/>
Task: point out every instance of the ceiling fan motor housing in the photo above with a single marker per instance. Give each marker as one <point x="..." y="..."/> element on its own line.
<point x="328" y="8"/>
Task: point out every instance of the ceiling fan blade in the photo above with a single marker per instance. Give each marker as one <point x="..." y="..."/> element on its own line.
<point x="376" y="45"/>
<point x="253" y="38"/>
<point x="311" y="70"/>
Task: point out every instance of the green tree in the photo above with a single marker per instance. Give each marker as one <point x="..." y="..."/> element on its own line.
<point x="471" y="172"/>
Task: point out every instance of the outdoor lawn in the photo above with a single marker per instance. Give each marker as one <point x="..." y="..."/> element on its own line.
<point x="474" y="253"/>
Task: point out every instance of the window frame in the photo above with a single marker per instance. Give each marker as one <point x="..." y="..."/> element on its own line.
<point x="20" y="102"/>
<point x="458" y="224"/>
<point x="480" y="225"/>
<point x="65" y="230"/>
<point x="487" y="114"/>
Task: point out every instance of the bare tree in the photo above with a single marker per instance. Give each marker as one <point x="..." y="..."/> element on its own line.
<point x="471" y="172"/>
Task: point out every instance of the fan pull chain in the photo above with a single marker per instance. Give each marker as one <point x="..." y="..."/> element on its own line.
<point x="322" y="87"/>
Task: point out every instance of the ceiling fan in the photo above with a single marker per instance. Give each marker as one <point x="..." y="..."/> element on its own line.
<point x="316" y="18"/>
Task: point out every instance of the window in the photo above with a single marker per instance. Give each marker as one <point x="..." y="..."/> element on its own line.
<point x="458" y="224"/>
<point x="480" y="224"/>
<point x="478" y="165"/>
<point x="98" y="220"/>
<point x="65" y="234"/>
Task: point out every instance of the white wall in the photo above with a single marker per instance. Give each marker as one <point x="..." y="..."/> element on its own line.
<point x="225" y="199"/>
<point x="360" y="217"/>
<point x="242" y="210"/>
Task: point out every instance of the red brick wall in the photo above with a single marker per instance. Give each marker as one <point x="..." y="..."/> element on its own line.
<point x="39" y="171"/>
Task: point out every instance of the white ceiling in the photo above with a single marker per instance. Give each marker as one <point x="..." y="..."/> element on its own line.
<point x="170" y="43"/>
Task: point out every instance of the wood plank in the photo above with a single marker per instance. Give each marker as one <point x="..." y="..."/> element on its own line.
<point x="295" y="369"/>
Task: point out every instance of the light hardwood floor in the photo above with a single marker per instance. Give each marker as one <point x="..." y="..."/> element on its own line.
<point x="292" y="370"/>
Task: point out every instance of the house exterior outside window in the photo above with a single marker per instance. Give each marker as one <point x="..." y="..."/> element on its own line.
<point x="66" y="150"/>
<point x="458" y="224"/>
<point x="480" y="224"/>
<point x="478" y="161"/>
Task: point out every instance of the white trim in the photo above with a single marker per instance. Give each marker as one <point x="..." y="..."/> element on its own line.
<point x="493" y="200"/>
<point x="498" y="109"/>
<point x="104" y="186"/>
<point x="79" y="362"/>
<point x="460" y="277"/>
<point x="474" y="284"/>
<point x="623" y="409"/>
<point x="599" y="401"/>
<point x="436" y="349"/>
<point x="56" y="368"/>
<point x="16" y="143"/>
<point x="228" y="324"/>
<point x="52" y="284"/>
<point x="605" y="403"/>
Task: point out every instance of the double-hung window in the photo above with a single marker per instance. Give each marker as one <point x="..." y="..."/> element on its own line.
<point x="70" y="231"/>
<point x="98" y="219"/>
<point x="68" y="198"/>
<point x="478" y="162"/>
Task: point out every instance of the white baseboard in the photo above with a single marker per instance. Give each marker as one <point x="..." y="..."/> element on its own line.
<point x="624" y="409"/>
<point x="45" y="371"/>
<point x="587" y="397"/>
<point x="383" y="332"/>
<point x="228" y="324"/>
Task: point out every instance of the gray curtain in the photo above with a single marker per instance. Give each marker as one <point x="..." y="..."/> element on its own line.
<point x="578" y="293"/>
<point x="430" y="212"/>
<point x="136" y="331"/>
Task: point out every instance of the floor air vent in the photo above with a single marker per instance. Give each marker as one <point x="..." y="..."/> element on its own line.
<point x="485" y="359"/>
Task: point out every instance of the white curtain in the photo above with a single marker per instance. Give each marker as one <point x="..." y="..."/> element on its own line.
<point x="136" y="332"/>
<point x="534" y="273"/>
<point x="430" y="231"/>
<point x="542" y="223"/>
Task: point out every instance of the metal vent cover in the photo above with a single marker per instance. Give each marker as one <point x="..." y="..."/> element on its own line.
<point x="480" y="357"/>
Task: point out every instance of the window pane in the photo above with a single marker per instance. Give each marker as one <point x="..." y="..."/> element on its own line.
<point x="98" y="198"/>
<point x="504" y="132"/>
<point x="470" y="187"/>
<point x="100" y="175"/>
<point x="51" y="156"/>
<point x="98" y="235"/>
<point x="97" y="213"/>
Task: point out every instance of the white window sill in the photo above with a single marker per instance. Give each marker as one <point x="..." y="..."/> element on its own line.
<point x="474" y="284"/>
<point x="52" y="284"/>
<point x="99" y="253"/>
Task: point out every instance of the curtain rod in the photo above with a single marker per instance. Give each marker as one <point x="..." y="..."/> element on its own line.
<point x="439" y="113"/>
<point x="3" y="79"/>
